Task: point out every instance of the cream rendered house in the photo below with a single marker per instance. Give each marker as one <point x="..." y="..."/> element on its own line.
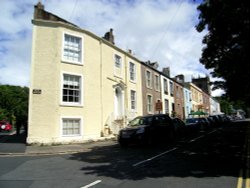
<point x="83" y="87"/>
<point x="196" y="95"/>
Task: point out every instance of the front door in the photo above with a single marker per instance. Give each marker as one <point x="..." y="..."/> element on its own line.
<point x="118" y="103"/>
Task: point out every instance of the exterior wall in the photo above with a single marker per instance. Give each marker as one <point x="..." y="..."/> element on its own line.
<point x="47" y="109"/>
<point x="214" y="107"/>
<point x="206" y="102"/>
<point x="178" y="100"/>
<point x="196" y="94"/>
<point x="134" y="85"/>
<point x="187" y="101"/>
<point x="149" y="90"/>
<point x="43" y="108"/>
<point x="99" y="82"/>
<point x="172" y="99"/>
<point x="166" y="95"/>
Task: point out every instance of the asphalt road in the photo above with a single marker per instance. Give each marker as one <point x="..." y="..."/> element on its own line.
<point x="215" y="158"/>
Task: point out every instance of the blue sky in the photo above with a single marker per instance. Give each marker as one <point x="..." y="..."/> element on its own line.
<point x="155" y="30"/>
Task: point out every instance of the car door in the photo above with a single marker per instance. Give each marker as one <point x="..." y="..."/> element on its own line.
<point x="162" y="125"/>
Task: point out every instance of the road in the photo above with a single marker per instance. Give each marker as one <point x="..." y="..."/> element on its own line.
<point x="214" y="158"/>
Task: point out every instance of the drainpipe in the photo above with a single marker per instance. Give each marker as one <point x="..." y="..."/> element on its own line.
<point x="101" y="88"/>
<point x="126" y="91"/>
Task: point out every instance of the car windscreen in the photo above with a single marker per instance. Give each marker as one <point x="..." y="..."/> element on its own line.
<point x="141" y="121"/>
<point x="193" y="120"/>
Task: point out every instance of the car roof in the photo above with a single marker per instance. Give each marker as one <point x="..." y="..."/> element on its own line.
<point x="153" y="115"/>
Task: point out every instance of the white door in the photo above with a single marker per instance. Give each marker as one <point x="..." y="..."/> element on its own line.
<point x="118" y="103"/>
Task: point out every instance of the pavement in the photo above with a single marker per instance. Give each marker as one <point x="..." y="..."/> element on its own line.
<point x="15" y="145"/>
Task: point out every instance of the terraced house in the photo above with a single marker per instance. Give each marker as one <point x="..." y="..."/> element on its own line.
<point x="151" y="87"/>
<point x="167" y="92"/>
<point x="84" y="87"/>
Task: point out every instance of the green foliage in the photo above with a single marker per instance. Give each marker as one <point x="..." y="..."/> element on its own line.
<point x="228" y="107"/>
<point x="225" y="105"/>
<point x="14" y="103"/>
<point x="226" y="45"/>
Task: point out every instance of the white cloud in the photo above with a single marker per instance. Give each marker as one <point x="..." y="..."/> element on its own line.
<point x="161" y="30"/>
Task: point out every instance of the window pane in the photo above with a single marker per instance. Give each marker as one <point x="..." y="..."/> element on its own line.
<point x="133" y="99"/>
<point x="132" y="71"/>
<point x="148" y="79"/>
<point x="72" y="48"/>
<point x="149" y="103"/>
<point x="117" y="61"/>
<point x="71" y="127"/>
<point x="71" y="88"/>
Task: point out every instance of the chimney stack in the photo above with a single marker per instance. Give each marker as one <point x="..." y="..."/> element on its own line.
<point x="38" y="13"/>
<point x="166" y="71"/>
<point x="180" y="78"/>
<point x="109" y="36"/>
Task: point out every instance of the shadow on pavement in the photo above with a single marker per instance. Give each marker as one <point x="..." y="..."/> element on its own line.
<point x="217" y="154"/>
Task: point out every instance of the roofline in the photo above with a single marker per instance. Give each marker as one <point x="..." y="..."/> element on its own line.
<point x="76" y="28"/>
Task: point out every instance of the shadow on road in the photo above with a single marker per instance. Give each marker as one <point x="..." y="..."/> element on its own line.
<point x="214" y="155"/>
<point x="14" y="138"/>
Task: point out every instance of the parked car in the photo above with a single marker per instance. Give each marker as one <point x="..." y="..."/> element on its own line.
<point x="205" y="123"/>
<point x="220" y="119"/>
<point x="194" y="124"/>
<point x="5" y="126"/>
<point x="147" y="130"/>
<point x="180" y="128"/>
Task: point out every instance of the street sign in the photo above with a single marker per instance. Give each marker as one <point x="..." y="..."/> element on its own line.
<point x="158" y="106"/>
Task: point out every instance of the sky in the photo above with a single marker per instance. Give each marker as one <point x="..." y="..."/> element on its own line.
<point x="161" y="31"/>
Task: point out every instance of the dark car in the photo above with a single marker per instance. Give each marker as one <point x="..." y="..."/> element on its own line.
<point x="147" y="130"/>
<point x="217" y="119"/>
<point x="5" y="126"/>
<point x="180" y="128"/>
<point x="194" y="124"/>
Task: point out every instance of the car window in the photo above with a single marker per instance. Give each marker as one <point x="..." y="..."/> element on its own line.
<point x="161" y="120"/>
<point x="146" y="120"/>
<point x="192" y="120"/>
<point x="141" y="121"/>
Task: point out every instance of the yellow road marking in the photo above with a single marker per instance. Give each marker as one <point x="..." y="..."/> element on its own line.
<point x="240" y="179"/>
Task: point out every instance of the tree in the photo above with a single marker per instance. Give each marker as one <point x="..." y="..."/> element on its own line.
<point x="226" y="45"/>
<point x="14" y="103"/>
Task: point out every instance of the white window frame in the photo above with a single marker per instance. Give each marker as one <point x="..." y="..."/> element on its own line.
<point x="133" y="100"/>
<point x="120" y="66"/>
<point x="165" y="86"/>
<point x="150" y="111"/>
<point x="171" y="85"/>
<point x="148" y="80"/>
<point x="166" y="105"/>
<point x="81" y="50"/>
<point x="157" y="82"/>
<point x="72" y="118"/>
<point x="80" y="104"/>
<point x="132" y="72"/>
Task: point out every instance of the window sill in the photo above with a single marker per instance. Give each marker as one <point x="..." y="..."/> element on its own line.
<point x="71" y="105"/>
<point x="133" y="81"/>
<point x="72" y="62"/>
